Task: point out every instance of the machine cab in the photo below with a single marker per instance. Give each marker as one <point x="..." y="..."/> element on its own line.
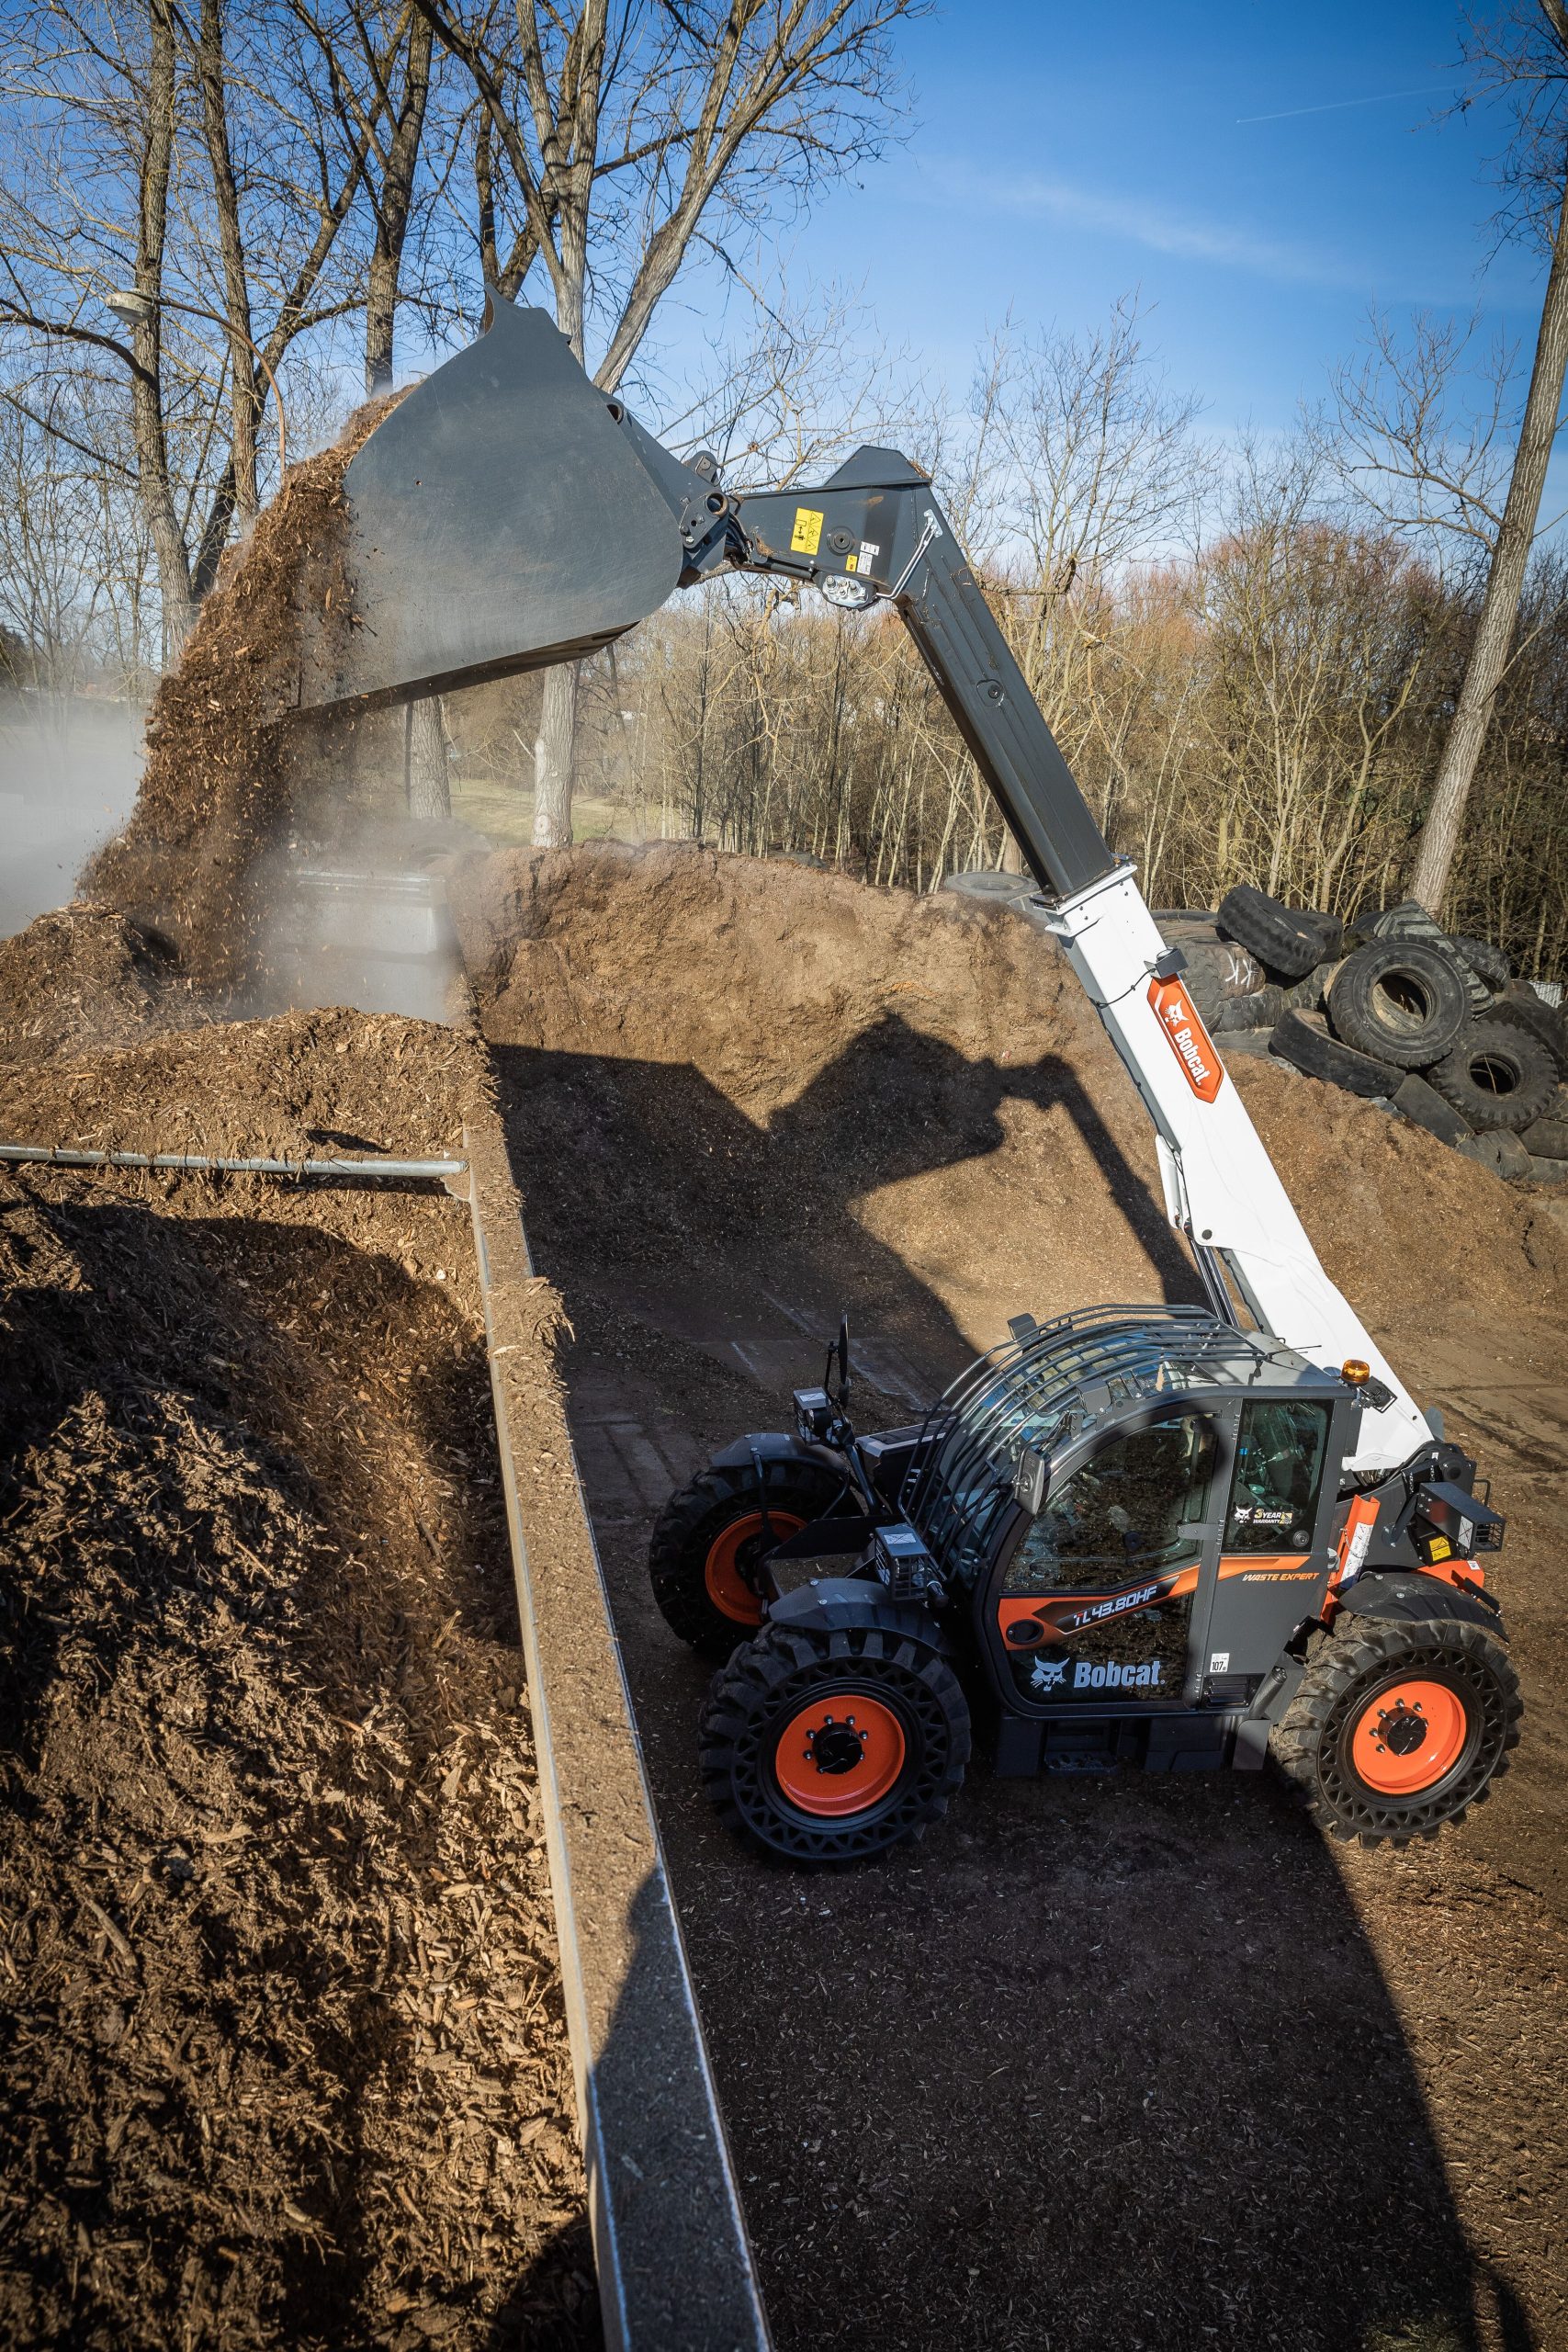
<point x="1140" y="1506"/>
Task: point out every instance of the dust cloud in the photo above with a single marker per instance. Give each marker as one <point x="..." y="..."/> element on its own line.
<point x="360" y="922"/>
<point x="69" y="769"/>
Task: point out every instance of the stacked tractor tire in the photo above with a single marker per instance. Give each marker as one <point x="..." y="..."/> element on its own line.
<point x="1393" y="1008"/>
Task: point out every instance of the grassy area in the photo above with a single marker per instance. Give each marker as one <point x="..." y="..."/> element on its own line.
<point x="504" y="814"/>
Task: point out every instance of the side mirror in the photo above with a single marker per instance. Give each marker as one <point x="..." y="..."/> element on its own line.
<point x="1030" y="1481"/>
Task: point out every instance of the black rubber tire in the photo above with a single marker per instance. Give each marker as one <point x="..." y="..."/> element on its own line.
<point x="1287" y="939"/>
<point x="1262" y="1010"/>
<point x="1521" y="1008"/>
<point x="1488" y="963"/>
<point x="1400" y="1001"/>
<point x="693" y="1520"/>
<point x="769" y="1681"/>
<point x="1547" y="1138"/>
<point x="1424" y="1107"/>
<point x="1498" y="1076"/>
<point x="1312" y="994"/>
<point x="1500" y="1153"/>
<point x="1217" y="972"/>
<point x="1410" y="921"/>
<point x="1304" y="1040"/>
<point x="1310" y="1746"/>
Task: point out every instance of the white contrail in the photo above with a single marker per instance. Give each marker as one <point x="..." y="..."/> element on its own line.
<point x="1335" y="105"/>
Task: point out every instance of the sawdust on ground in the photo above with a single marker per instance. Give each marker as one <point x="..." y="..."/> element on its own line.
<point x="285" y="2055"/>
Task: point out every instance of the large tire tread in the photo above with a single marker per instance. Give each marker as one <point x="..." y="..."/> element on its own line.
<point x="691" y="1522"/>
<point x="781" y="1668"/>
<point x="1349" y="1659"/>
<point x="1519" y="1007"/>
<point x="1289" y="941"/>
<point x="1399" y="1000"/>
<point x="1409" y="921"/>
<point x="1508" y="1049"/>
<point x="1488" y="963"/>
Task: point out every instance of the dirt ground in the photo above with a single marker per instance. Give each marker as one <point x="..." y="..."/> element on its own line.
<point x="285" y="2057"/>
<point x="1111" y="2060"/>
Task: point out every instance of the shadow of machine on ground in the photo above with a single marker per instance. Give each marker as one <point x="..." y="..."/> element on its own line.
<point x="646" y="1177"/>
<point x="1104" y="2060"/>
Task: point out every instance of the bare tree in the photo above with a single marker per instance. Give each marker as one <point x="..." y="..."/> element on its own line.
<point x="1081" y="462"/>
<point x="621" y="137"/>
<point x="1407" y="445"/>
<point x="180" y="194"/>
<point x="380" y="63"/>
<point x="426" y="774"/>
<point x="1527" y="57"/>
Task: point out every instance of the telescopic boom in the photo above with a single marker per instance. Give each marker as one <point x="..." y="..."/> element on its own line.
<point x="507" y="515"/>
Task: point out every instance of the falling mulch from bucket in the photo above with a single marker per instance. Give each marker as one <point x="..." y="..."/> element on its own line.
<point x="227" y="770"/>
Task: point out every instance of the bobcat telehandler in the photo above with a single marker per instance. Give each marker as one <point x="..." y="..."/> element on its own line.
<point x="1175" y="1536"/>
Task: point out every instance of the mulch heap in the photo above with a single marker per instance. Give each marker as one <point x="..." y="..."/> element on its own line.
<point x="927" y="1077"/>
<point x="284" y="2060"/>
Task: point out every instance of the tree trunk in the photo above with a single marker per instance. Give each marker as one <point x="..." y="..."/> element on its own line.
<point x="427" y="780"/>
<point x="243" y="400"/>
<point x="146" y="400"/>
<point x="392" y="210"/>
<point x="1505" y="580"/>
<point x="553" y="756"/>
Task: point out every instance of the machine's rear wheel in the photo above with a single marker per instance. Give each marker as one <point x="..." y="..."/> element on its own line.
<point x="709" y="1534"/>
<point x="1399" y="1728"/>
<point x="826" y="1748"/>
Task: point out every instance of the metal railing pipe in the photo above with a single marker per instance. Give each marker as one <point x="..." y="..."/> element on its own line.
<point x="435" y="1171"/>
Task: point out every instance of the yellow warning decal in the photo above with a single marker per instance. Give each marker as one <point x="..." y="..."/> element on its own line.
<point x="849" y="563"/>
<point x="806" y="536"/>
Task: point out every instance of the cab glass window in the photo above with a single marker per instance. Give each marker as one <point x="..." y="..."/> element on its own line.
<point x="1135" y="1507"/>
<point x="1281" y="1453"/>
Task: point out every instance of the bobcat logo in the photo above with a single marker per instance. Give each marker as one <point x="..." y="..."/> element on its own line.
<point x="1047" y="1674"/>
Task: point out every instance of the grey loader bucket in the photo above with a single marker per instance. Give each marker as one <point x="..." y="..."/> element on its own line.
<point x="504" y="515"/>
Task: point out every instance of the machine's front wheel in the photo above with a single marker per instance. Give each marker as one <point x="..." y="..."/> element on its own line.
<point x="1399" y="1728"/>
<point x="709" y="1534"/>
<point x="827" y="1748"/>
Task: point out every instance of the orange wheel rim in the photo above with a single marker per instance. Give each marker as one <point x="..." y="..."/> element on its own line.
<point x="840" y="1755"/>
<point x="726" y="1588"/>
<point x="1408" y="1737"/>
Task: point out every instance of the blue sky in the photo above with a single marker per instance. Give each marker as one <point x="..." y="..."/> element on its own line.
<point x="1063" y="155"/>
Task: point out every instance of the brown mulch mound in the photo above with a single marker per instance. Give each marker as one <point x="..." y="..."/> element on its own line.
<point x="870" y="1037"/>
<point x="285" y="2058"/>
<point x="87" y="975"/>
<point x="304" y="1085"/>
